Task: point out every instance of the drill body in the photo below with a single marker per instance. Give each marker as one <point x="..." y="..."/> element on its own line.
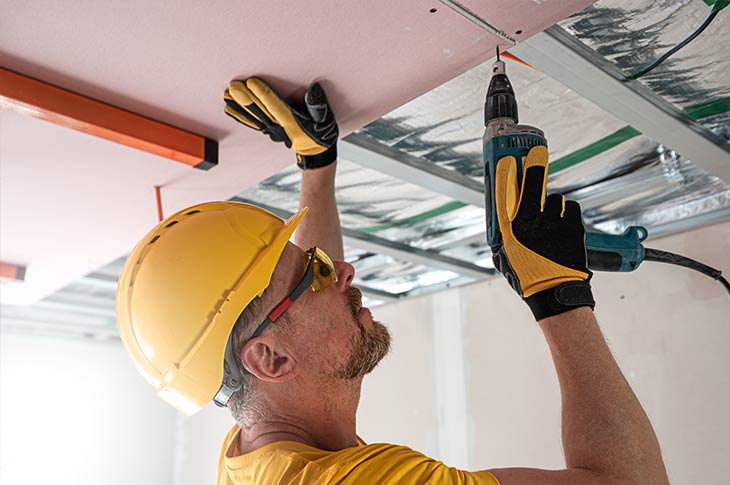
<point x="504" y="137"/>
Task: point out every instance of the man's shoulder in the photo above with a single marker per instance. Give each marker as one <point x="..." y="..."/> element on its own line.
<point x="292" y="462"/>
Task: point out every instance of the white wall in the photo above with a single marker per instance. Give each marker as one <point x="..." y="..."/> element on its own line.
<point x="469" y="381"/>
<point x="78" y="413"/>
<point x="668" y="327"/>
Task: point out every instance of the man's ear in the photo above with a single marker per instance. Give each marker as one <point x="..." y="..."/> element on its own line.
<point x="266" y="360"/>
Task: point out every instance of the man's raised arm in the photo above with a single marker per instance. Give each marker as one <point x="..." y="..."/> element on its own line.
<point x="607" y="437"/>
<point x="322" y="227"/>
<point x="311" y="131"/>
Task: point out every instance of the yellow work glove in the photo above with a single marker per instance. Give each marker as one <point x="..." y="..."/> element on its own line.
<point x="311" y="132"/>
<point x="543" y="250"/>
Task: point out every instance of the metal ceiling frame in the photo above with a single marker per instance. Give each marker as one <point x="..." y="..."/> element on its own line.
<point x="403" y="252"/>
<point x="372" y="153"/>
<point x="569" y="61"/>
<point x="566" y="59"/>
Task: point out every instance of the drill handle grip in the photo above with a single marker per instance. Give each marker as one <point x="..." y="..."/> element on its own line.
<point x="608" y="252"/>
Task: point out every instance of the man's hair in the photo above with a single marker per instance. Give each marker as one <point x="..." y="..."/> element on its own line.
<point x="244" y="404"/>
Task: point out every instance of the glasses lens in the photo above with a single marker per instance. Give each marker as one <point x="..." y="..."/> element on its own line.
<point x="324" y="270"/>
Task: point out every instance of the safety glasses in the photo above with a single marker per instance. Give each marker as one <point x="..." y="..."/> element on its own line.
<point x="319" y="274"/>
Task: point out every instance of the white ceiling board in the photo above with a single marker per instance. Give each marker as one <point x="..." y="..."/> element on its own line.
<point x="91" y="200"/>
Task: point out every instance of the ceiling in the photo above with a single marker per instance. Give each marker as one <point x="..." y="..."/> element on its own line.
<point x="72" y="203"/>
<point x="407" y="84"/>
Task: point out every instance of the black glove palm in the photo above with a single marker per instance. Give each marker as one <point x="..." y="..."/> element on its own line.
<point x="543" y="252"/>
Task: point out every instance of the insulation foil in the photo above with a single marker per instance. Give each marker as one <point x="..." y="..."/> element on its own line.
<point x="377" y="204"/>
<point x="445" y="126"/>
<point x="633" y="33"/>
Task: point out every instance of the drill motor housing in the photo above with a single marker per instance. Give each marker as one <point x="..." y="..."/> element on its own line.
<point x="503" y="137"/>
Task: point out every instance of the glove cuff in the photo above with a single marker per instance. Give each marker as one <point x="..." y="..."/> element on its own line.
<point x="562" y="298"/>
<point x="327" y="157"/>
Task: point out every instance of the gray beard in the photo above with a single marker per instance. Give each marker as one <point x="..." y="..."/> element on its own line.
<point x="368" y="347"/>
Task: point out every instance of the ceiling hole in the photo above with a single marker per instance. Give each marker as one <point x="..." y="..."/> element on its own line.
<point x="434" y="10"/>
<point x="518" y="32"/>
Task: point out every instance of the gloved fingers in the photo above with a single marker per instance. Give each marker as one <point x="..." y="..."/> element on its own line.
<point x="534" y="181"/>
<point x="238" y="118"/>
<point x="572" y="211"/>
<point x="554" y="206"/>
<point x="243" y="96"/>
<point x="269" y="101"/>
<point x="239" y="114"/>
<point x="505" y="190"/>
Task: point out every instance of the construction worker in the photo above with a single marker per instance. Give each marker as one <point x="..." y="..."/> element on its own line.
<point x="216" y="304"/>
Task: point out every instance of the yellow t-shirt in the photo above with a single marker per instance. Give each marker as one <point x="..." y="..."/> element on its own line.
<point x="288" y="462"/>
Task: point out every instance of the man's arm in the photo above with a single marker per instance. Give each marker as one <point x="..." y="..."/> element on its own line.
<point x="312" y="132"/>
<point x="607" y="436"/>
<point x="321" y="226"/>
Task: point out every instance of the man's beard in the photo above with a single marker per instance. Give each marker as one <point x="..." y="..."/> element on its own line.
<point x="368" y="347"/>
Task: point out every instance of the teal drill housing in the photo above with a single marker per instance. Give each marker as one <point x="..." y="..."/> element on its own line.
<point x="504" y="137"/>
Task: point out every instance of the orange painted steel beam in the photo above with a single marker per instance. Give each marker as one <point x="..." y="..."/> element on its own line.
<point x="35" y="98"/>
<point x="11" y="272"/>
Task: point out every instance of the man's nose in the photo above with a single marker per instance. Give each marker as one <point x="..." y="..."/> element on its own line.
<point x="345" y="274"/>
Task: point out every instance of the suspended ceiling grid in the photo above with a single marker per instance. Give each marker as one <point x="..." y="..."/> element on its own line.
<point x="423" y="219"/>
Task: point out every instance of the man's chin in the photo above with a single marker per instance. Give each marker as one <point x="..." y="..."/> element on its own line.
<point x="373" y="346"/>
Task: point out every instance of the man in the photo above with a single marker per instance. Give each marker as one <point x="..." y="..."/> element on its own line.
<point x="216" y="304"/>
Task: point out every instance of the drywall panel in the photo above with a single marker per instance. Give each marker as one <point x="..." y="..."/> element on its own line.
<point x="172" y="61"/>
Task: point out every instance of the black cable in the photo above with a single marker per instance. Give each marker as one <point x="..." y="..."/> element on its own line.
<point x="671" y="258"/>
<point x="674" y="49"/>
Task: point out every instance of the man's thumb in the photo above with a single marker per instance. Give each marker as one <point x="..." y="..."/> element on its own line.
<point x="316" y="102"/>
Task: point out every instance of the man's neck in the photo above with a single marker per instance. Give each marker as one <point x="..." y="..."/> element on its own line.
<point x="327" y="422"/>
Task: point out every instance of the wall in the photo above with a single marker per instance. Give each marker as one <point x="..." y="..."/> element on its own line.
<point x="78" y="413"/>
<point x="668" y="328"/>
<point x="469" y="381"/>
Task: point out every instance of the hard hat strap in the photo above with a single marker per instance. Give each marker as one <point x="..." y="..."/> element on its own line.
<point x="232" y="376"/>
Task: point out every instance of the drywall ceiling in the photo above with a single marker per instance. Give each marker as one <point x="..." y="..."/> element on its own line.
<point x="71" y="203"/>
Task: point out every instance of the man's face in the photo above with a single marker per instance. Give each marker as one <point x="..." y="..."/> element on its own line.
<point x="332" y="327"/>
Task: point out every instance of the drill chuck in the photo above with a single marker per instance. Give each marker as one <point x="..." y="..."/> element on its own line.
<point x="501" y="101"/>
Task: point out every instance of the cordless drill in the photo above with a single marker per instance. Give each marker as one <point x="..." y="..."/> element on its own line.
<point x="504" y="137"/>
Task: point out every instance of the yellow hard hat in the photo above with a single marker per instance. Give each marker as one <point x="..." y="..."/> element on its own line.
<point x="183" y="287"/>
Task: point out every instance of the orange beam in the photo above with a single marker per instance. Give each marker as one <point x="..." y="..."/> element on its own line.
<point x="11" y="272"/>
<point x="35" y="98"/>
